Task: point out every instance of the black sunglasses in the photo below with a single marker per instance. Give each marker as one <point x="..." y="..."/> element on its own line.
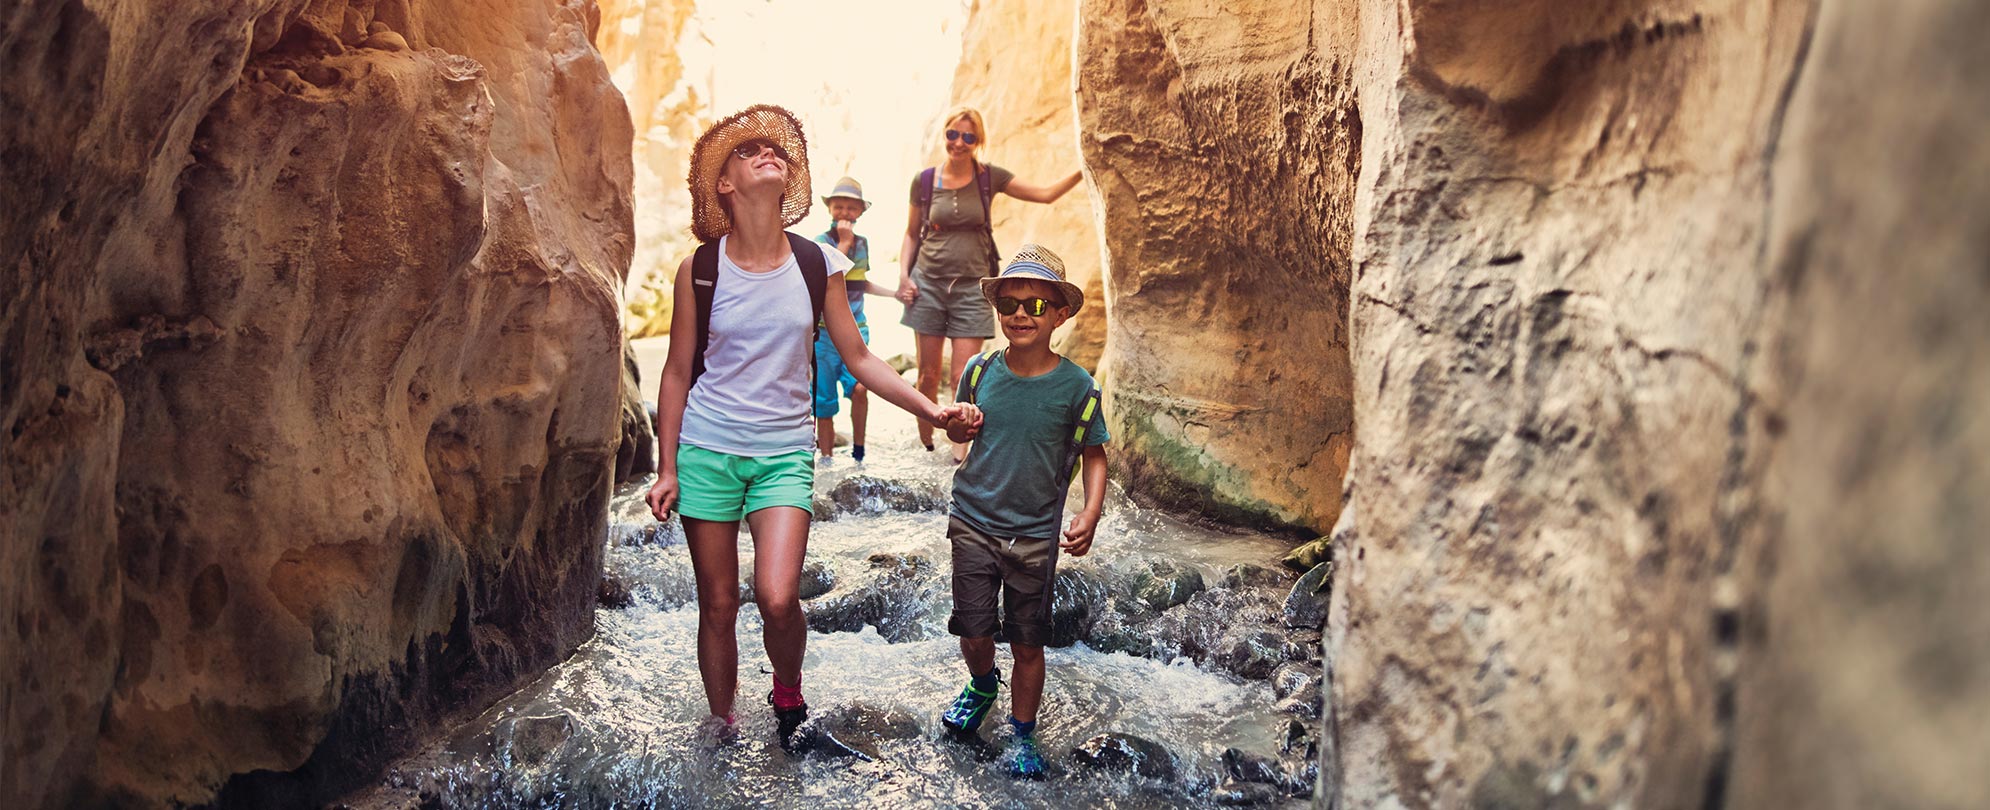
<point x="1034" y="307"/>
<point x="751" y="149"/>
<point x="964" y="137"/>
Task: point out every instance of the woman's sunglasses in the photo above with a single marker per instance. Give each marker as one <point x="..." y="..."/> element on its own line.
<point x="751" y="149"/>
<point x="964" y="137"/>
<point x="1034" y="307"/>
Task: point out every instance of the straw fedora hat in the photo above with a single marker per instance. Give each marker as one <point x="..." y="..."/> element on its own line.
<point x="1036" y="262"/>
<point x="709" y="220"/>
<point x="847" y="187"/>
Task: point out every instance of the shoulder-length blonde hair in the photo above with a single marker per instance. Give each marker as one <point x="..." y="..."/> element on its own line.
<point x="971" y="114"/>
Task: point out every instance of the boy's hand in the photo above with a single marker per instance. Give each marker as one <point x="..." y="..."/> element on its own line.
<point x="963" y="422"/>
<point x="907" y="291"/>
<point x="1078" y="538"/>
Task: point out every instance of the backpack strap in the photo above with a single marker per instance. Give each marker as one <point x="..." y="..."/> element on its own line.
<point x="815" y="274"/>
<point x="704" y="282"/>
<point x="1088" y="420"/>
<point x="986" y="185"/>
<point x="971" y="378"/>
<point x="925" y="208"/>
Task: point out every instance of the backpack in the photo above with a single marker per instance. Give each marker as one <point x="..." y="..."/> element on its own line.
<point x="704" y="284"/>
<point x="1088" y="416"/>
<point x="983" y="184"/>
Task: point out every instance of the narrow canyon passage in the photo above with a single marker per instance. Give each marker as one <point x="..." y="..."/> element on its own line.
<point x="1551" y="404"/>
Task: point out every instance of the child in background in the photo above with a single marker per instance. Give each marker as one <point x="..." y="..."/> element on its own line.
<point x="846" y="203"/>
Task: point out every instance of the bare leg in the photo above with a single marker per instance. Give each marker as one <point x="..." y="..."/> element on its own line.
<point x="780" y="540"/>
<point x="1025" y="681"/>
<point x="964" y="350"/>
<point x="715" y="563"/>
<point x="860" y="411"/>
<point x="930" y="347"/>
<point x="825" y="436"/>
<point x="979" y="653"/>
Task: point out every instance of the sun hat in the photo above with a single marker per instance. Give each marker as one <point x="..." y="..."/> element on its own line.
<point x="847" y="187"/>
<point x="1036" y="262"/>
<point x="709" y="220"/>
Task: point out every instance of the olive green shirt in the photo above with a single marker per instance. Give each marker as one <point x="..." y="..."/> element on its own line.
<point x="962" y="249"/>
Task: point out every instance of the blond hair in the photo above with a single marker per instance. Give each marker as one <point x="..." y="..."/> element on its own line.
<point x="971" y="114"/>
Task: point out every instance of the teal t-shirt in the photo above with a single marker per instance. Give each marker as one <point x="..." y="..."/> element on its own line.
<point x="1009" y="486"/>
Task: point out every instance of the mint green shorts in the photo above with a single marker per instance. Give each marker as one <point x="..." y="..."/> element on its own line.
<point x="725" y="487"/>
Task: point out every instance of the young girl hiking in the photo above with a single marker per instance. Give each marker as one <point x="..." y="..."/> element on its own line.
<point x="950" y="245"/>
<point x="734" y="421"/>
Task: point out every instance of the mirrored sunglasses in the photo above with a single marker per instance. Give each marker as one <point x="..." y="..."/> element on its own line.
<point x="751" y="149"/>
<point x="1034" y="307"/>
<point x="964" y="137"/>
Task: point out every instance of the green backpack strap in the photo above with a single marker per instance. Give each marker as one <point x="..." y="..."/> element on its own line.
<point x="971" y="378"/>
<point x="1088" y="419"/>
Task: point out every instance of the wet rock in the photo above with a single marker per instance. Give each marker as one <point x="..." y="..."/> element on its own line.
<point x="1165" y="584"/>
<point x="1078" y="599"/>
<point x="817" y="579"/>
<point x="1246" y="575"/>
<point x="895" y="600"/>
<point x="533" y="739"/>
<point x="1114" y="632"/>
<point x="1303" y="645"/>
<point x="1297" y="738"/>
<point x="1306" y="604"/>
<point x="1251" y="652"/>
<point x="858" y="721"/>
<point x="1309" y="555"/>
<point x="1292" y="678"/>
<point x="1245" y="794"/>
<point x="614" y="592"/>
<point x="1242" y="766"/>
<point x="1198" y="628"/>
<point x="870" y="495"/>
<point x="1300" y="705"/>
<point x="1126" y="753"/>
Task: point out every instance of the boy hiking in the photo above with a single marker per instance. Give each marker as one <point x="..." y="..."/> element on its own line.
<point x="1038" y="415"/>
<point x="846" y="203"/>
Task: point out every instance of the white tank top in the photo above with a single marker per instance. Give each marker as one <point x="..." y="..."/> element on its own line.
<point x="753" y="399"/>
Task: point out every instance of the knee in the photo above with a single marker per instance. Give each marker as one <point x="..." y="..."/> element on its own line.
<point x="720" y="608"/>
<point x="1026" y="654"/>
<point x="857" y="392"/>
<point x="779" y="608"/>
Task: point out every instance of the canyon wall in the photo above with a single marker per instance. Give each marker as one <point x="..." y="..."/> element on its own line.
<point x="1222" y="145"/>
<point x="639" y="40"/>
<point x="311" y="349"/>
<point x="1015" y="67"/>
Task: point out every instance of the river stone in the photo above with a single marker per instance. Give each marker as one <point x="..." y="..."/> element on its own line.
<point x="1165" y="584"/>
<point x="533" y="739"/>
<point x="1306" y="604"/>
<point x="870" y="495"/>
<point x="614" y="591"/>
<point x="817" y="579"/>
<point x="1245" y="794"/>
<point x="1303" y="645"/>
<point x="1250" y="652"/>
<point x="1247" y="575"/>
<point x="1114" y="751"/>
<point x="1114" y="632"/>
<point x="858" y="721"/>
<point x="1242" y="766"/>
<point x="1293" y="678"/>
<point x="1078" y="598"/>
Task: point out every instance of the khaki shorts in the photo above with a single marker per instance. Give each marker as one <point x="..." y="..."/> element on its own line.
<point x="949" y="308"/>
<point x="1022" y="570"/>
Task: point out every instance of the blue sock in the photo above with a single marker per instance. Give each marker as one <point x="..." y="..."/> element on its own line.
<point x="856" y="452"/>
<point x="987" y="681"/>
<point x="1023" y="729"/>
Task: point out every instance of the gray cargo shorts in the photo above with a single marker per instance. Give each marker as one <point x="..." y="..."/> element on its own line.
<point x="949" y="307"/>
<point x="1022" y="570"/>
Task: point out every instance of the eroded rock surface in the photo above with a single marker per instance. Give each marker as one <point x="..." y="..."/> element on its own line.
<point x="311" y="356"/>
<point x="1015" y="67"/>
<point x="1222" y="145"/>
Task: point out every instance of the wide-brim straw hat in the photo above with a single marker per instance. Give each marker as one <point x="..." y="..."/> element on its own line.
<point x="708" y="218"/>
<point x="1037" y="263"/>
<point x="847" y="187"/>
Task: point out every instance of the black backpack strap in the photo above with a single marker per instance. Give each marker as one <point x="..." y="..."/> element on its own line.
<point x="704" y="281"/>
<point x="815" y="274"/>
<point x="970" y="387"/>
<point x="986" y="185"/>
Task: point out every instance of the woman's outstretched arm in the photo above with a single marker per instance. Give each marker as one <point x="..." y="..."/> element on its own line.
<point x="1041" y="194"/>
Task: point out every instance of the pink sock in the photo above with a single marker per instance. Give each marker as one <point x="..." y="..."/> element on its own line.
<point x="785" y="696"/>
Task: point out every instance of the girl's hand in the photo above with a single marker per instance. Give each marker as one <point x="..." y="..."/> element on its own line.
<point x="662" y="497"/>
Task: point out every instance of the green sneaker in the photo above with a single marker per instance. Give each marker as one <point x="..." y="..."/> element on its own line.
<point x="1025" y="762"/>
<point x="965" y="716"/>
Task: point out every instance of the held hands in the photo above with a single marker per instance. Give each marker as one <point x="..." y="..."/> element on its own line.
<point x="1078" y="538"/>
<point x="907" y="291"/>
<point x="662" y="497"/>
<point x="962" y="422"/>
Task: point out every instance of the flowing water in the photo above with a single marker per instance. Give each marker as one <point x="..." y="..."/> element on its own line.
<point x="1163" y="615"/>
